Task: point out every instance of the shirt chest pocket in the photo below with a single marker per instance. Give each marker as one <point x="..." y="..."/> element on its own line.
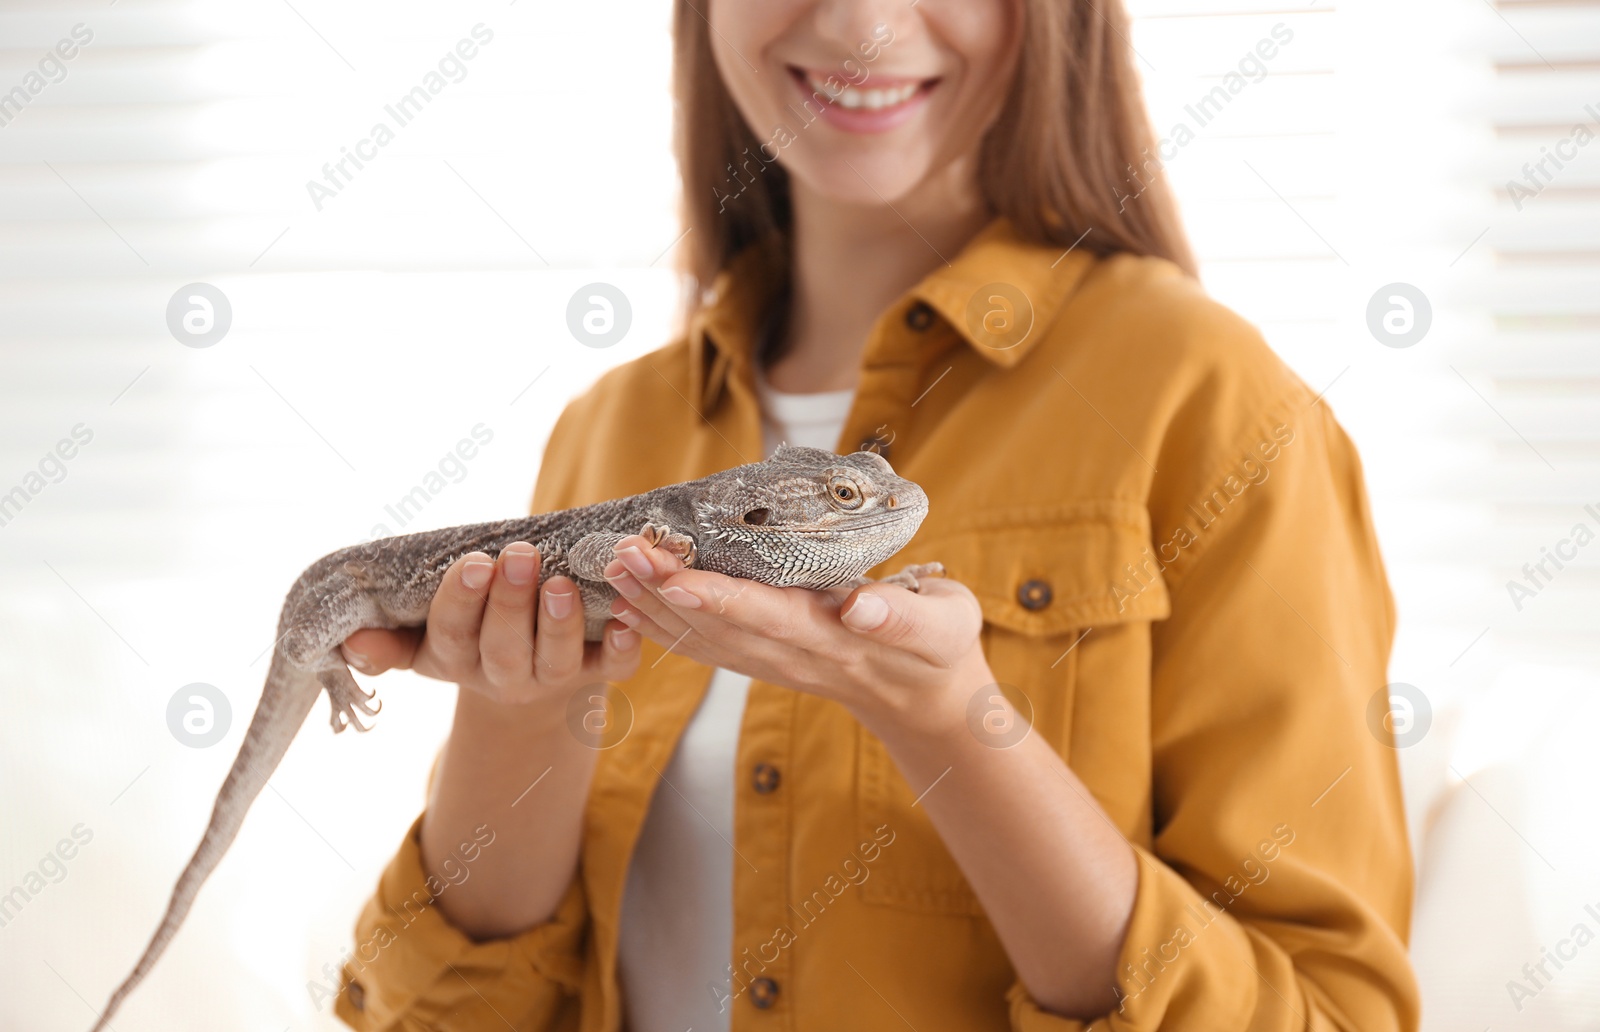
<point x="1043" y="579"/>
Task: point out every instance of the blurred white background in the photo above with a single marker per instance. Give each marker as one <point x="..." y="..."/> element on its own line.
<point x="428" y="296"/>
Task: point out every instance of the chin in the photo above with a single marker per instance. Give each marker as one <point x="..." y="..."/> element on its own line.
<point x="869" y="179"/>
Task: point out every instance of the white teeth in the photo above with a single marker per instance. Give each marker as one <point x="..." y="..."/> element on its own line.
<point x="853" y="97"/>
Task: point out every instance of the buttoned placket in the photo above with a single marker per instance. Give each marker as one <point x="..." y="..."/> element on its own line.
<point x="892" y="363"/>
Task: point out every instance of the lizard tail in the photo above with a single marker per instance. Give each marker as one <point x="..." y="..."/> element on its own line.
<point x="287" y="698"/>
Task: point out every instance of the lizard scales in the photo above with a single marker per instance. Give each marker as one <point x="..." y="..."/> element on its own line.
<point x="803" y="518"/>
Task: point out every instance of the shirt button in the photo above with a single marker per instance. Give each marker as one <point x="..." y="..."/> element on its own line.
<point x="1034" y="594"/>
<point x="765" y="778"/>
<point x="763" y="993"/>
<point x="919" y="316"/>
<point x="356" y="995"/>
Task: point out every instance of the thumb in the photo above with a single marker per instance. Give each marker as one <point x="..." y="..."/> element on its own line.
<point x="372" y="651"/>
<point x="891" y="615"/>
<point x="866" y="612"/>
<point x="941" y="615"/>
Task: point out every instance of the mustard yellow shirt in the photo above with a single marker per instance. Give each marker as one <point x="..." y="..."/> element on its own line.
<point x="1170" y="538"/>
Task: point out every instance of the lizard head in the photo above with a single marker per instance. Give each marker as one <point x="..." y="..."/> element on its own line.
<point x="807" y="518"/>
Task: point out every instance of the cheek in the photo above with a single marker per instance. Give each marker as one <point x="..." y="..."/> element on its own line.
<point x="741" y="33"/>
<point x="985" y="38"/>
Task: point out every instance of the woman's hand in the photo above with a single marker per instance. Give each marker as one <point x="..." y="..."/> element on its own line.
<point x="485" y="633"/>
<point x="896" y="659"/>
<point x="518" y="652"/>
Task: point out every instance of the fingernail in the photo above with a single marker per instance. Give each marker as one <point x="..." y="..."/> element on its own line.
<point x="626" y="586"/>
<point x="622" y="639"/>
<point x="868" y="612"/>
<point x="636" y="562"/>
<point x="679" y="597"/>
<point x="628" y="617"/>
<point x="558" y="604"/>
<point x="519" y="567"/>
<point x="475" y="575"/>
<point x="357" y="660"/>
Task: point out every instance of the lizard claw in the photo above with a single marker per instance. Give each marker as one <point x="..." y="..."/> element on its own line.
<point x="343" y="719"/>
<point x="680" y="545"/>
<point x="347" y="698"/>
<point x="909" y="578"/>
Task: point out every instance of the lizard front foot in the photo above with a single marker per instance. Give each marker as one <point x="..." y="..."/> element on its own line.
<point x="909" y="578"/>
<point x="680" y="545"/>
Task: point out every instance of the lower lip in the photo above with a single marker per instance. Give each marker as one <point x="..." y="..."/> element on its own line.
<point x="862" y="120"/>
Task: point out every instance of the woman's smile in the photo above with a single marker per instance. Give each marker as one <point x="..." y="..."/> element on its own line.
<point x="876" y="104"/>
<point x="865" y="104"/>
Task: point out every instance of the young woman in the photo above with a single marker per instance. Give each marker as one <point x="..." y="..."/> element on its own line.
<point x="1115" y="769"/>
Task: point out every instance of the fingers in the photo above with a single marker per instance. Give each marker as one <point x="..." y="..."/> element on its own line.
<point x="740" y="624"/>
<point x="558" y="642"/>
<point x="922" y="623"/>
<point x="491" y="626"/>
<point x="637" y="573"/>
<point x="757" y="621"/>
<point x="505" y="641"/>
<point x="647" y="563"/>
<point x="373" y="651"/>
<point x="616" y="655"/>
<point x="672" y="600"/>
<point x="449" y="648"/>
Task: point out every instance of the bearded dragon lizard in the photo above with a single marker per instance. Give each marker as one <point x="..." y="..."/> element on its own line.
<point x="803" y="518"/>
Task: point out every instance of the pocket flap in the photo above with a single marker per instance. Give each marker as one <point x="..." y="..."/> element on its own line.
<point x="1049" y="569"/>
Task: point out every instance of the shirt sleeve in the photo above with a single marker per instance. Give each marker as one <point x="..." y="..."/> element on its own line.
<point x="412" y="969"/>
<point x="1276" y="893"/>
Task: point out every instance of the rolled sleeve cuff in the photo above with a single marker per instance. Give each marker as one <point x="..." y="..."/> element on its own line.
<point x="1182" y="958"/>
<point x="411" y="964"/>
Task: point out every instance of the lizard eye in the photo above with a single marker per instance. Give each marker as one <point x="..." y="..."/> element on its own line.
<point x="845" y="493"/>
<point x="757" y="517"/>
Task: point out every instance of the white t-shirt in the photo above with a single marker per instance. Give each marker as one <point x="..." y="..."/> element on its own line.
<point x="676" y="936"/>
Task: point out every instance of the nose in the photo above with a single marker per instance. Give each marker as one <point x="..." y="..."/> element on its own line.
<point x="852" y="23"/>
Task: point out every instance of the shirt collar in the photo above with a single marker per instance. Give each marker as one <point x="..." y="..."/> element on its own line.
<point x="1000" y="294"/>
